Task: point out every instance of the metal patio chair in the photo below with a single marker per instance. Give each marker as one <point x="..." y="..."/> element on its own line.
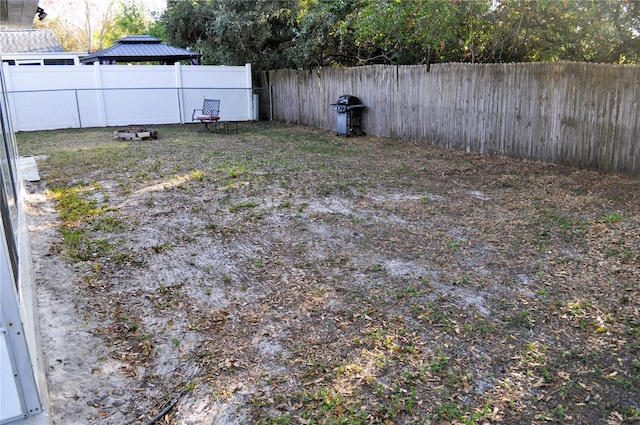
<point x="210" y="113"/>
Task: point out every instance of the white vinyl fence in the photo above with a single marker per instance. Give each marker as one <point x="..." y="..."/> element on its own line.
<point x="54" y="97"/>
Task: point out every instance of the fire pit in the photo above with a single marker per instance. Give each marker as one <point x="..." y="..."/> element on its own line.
<point x="135" y="134"/>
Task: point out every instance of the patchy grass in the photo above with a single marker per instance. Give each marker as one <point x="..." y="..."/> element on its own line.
<point x="289" y="276"/>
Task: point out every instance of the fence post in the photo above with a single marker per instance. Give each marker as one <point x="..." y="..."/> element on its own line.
<point x="179" y="91"/>
<point x="249" y="91"/>
<point x="8" y="86"/>
<point x="270" y="103"/>
<point x="102" y="109"/>
<point x="78" y="109"/>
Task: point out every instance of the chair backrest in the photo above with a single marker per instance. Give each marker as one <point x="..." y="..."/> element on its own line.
<point x="211" y="107"/>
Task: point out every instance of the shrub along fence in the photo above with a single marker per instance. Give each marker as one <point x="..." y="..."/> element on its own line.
<point x="580" y="114"/>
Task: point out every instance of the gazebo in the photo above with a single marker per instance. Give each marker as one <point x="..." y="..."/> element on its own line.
<point x="141" y="48"/>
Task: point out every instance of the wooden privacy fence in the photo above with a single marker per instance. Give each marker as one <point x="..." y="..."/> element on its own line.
<point x="580" y="114"/>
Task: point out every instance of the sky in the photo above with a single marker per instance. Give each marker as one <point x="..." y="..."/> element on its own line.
<point x="156" y="4"/>
<point x="68" y="8"/>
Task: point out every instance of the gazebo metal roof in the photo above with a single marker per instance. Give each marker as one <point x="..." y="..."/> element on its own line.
<point x="141" y="48"/>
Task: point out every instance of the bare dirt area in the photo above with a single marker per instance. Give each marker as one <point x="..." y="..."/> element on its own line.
<point x="284" y="275"/>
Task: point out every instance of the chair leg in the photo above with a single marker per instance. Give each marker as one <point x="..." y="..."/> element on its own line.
<point x="205" y="128"/>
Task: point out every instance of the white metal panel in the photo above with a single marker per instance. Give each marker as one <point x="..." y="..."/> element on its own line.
<point x="17" y="366"/>
<point x="19" y="331"/>
<point x="10" y="400"/>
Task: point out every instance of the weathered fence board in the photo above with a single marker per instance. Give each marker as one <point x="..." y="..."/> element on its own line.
<point x="585" y="115"/>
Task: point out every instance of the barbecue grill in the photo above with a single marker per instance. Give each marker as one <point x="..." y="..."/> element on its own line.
<point x="348" y="116"/>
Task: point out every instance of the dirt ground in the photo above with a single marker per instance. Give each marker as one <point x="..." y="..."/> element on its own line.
<point x="285" y="275"/>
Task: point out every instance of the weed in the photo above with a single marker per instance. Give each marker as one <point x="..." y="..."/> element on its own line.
<point x="236" y="171"/>
<point x="549" y="221"/>
<point x="614" y="217"/>
<point x="426" y="280"/>
<point x="324" y="147"/>
<point x="197" y="175"/>
<point x="578" y="307"/>
<point x="439" y="318"/>
<point x="559" y="412"/>
<point x="377" y="268"/>
<point x="440" y="362"/>
<point x="277" y="420"/>
<point x="454" y="245"/>
<point x="109" y="224"/>
<point x="449" y="412"/>
<point x="524" y="320"/>
<point x="481" y="329"/>
<point x="510" y="181"/>
<point x="160" y="248"/>
<point x="631" y="412"/>
<point x="356" y="219"/>
<point x="73" y="203"/>
<point x="242" y="206"/>
<point x="328" y="406"/>
<point x="409" y="291"/>
<point x="464" y="280"/>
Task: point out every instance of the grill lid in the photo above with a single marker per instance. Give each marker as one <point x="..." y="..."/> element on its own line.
<point x="347" y="99"/>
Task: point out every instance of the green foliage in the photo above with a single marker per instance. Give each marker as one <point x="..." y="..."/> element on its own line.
<point x="233" y="32"/>
<point x="313" y="33"/>
<point x="131" y="20"/>
<point x="415" y="31"/>
<point x="574" y="30"/>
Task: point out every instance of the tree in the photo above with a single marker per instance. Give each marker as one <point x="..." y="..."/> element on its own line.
<point x="104" y="19"/>
<point x="131" y="19"/>
<point x="83" y="29"/>
<point x="311" y="33"/>
<point x="572" y="30"/>
<point x="420" y="31"/>
<point x="99" y="24"/>
<point x="318" y="39"/>
<point x="233" y="32"/>
<point x="185" y="22"/>
<point x="70" y="38"/>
